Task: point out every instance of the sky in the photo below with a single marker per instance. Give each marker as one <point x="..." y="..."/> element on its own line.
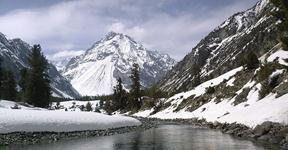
<point x="169" y="26"/>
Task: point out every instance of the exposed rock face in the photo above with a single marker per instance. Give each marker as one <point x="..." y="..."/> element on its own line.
<point x="15" y="53"/>
<point x="251" y="30"/>
<point x="95" y="72"/>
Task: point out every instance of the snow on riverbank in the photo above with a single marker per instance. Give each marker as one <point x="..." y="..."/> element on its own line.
<point x="252" y="112"/>
<point x="268" y="109"/>
<point x="27" y="119"/>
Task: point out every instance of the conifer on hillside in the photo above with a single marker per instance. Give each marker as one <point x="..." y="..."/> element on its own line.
<point x="135" y="92"/>
<point x="38" y="83"/>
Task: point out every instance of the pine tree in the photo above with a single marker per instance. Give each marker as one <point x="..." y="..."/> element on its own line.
<point x="38" y="83"/>
<point x="8" y="87"/>
<point x="107" y="107"/>
<point x="88" y="107"/>
<point x="101" y="103"/>
<point x="195" y="69"/>
<point x="119" y="96"/>
<point x="196" y="80"/>
<point x="135" y="92"/>
<point x="195" y="72"/>
<point x="252" y="61"/>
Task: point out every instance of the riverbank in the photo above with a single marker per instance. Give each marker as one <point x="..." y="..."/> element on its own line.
<point x="274" y="133"/>
<point x="50" y="137"/>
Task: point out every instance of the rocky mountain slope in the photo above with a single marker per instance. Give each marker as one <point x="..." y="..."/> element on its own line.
<point x="251" y="30"/>
<point x="95" y="72"/>
<point x="235" y="93"/>
<point x="15" y="53"/>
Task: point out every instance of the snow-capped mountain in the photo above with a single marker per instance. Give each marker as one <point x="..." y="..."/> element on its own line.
<point x="61" y="59"/>
<point x="251" y="30"/>
<point x="15" y="53"/>
<point x="95" y="72"/>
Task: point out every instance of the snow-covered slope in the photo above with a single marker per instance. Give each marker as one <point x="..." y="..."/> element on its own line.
<point x="15" y="53"/>
<point x="237" y="96"/>
<point x="32" y="120"/>
<point x="95" y="72"/>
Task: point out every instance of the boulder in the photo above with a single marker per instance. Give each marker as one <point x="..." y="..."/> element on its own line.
<point x="266" y="137"/>
<point x="262" y="129"/>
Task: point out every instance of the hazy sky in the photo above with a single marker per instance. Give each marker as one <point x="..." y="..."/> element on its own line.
<point x="170" y="26"/>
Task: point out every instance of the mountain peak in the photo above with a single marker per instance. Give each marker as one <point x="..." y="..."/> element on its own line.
<point x="113" y="33"/>
<point x="116" y="44"/>
<point x="95" y="72"/>
<point x="110" y="35"/>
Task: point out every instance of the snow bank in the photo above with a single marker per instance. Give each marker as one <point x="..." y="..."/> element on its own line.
<point x="250" y="113"/>
<point x="13" y="120"/>
<point x="280" y="56"/>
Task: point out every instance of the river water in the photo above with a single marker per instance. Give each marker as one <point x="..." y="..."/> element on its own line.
<point x="165" y="137"/>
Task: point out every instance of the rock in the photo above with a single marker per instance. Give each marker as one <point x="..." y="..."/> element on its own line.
<point x="262" y="129"/>
<point x="276" y="139"/>
<point x="216" y="124"/>
<point x="264" y="137"/>
<point x="245" y="133"/>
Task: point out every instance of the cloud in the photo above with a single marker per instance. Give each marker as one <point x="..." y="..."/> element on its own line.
<point x="64" y="54"/>
<point x="167" y="25"/>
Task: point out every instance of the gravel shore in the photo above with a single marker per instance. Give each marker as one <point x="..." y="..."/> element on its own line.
<point x="39" y="137"/>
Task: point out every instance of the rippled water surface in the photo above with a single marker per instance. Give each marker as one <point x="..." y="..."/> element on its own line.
<point x="165" y="137"/>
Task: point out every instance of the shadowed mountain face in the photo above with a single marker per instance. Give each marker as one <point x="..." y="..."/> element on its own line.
<point x="95" y="72"/>
<point x="15" y="54"/>
<point x="251" y="30"/>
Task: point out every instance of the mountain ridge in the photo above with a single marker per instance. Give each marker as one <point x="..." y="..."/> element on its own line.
<point x="242" y="32"/>
<point x="15" y="54"/>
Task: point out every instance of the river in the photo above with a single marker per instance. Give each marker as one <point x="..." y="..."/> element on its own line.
<point x="165" y="137"/>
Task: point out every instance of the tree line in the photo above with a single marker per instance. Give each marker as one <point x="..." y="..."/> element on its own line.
<point x="34" y="84"/>
<point x="132" y="100"/>
<point x="123" y="100"/>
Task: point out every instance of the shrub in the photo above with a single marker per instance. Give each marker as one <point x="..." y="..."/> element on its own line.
<point x="268" y="85"/>
<point x="210" y="90"/>
<point x="16" y="107"/>
<point x="251" y="61"/>
<point x="265" y="89"/>
<point x="88" y="107"/>
<point x="265" y="71"/>
<point x="196" y="81"/>
<point x="82" y="107"/>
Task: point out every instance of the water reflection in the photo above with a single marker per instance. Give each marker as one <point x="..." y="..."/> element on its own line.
<point x="166" y="137"/>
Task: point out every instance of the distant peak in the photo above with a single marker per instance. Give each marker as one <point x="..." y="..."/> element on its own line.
<point x="113" y="34"/>
<point x="110" y="35"/>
